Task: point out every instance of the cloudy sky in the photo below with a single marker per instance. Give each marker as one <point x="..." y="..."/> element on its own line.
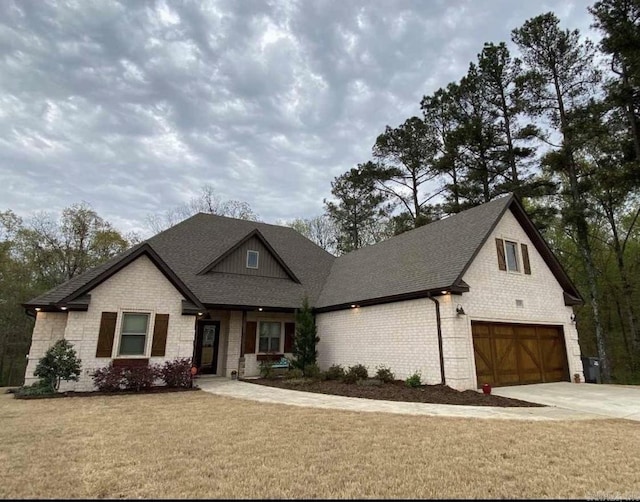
<point x="132" y="106"/>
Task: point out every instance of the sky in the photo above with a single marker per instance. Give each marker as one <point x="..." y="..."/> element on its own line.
<point x="133" y="106"/>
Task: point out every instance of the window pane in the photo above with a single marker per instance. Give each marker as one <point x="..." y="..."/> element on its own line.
<point x="264" y="344"/>
<point x="252" y="259"/>
<point x="269" y="329"/>
<point x="275" y="344"/>
<point x="512" y="256"/>
<point x="132" y="345"/>
<point x="135" y="323"/>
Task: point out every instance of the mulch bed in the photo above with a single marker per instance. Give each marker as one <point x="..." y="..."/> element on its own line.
<point x="160" y="389"/>
<point x="396" y="391"/>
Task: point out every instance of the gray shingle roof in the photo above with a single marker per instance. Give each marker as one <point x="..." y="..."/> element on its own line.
<point x="428" y="258"/>
<point x="425" y="259"/>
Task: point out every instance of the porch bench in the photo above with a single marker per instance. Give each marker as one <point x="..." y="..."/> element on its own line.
<point x="282" y="363"/>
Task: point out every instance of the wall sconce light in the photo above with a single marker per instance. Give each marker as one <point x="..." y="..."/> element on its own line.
<point x="573" y="318"/>
<point x="460" y="310"/>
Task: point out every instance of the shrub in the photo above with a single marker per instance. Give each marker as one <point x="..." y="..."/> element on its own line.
<point x="306" y="337"/>
<point x="335" y="372"/>
<point x="355" y="373"/>
<point x="139" y="377"/>
<point x="176" y="373"/>
<point x="59" y="363"/>
<point x="294" y="374"/>
<point x="384" y="374"/>
<point x="311" y="371"/>
<point x="266" y="370"/>
<point x="414" y="380"/>
<point x="108" y="379"/>
<point x="39" y="388"/>
<point x="114" y="378"/>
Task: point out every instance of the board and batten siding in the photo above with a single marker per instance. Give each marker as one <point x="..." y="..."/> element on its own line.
<point x="139" y="287"/>
<point x="236" y="262"/>
<point x="400" y="335"/>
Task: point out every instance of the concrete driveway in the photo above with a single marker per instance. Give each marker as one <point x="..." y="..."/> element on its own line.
<point x="615" y="401"/>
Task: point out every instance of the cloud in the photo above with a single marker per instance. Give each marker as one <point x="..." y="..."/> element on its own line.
<point x="132" y="106"/>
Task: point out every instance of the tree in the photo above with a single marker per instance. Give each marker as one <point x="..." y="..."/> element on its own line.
<point x="320" y="229"/>
<point x="206" y="202"/>
<point x="59" y="363"/>
<point x="560" y="80"/>
<point x="359" y="210"/>
<point x="407" y="154"/>
<point x="304" y="345"/>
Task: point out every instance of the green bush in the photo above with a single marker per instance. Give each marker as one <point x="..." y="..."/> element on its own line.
<point x="384" y="374"/>
<point x="40" y="388"/>
<point x="355" y="373"/>
<point x="335" y="372"/>
<point x="266" y="370"/>
<point x="414" y="380"/>
<point x="294" y="373"/>
<point x="312" y="371"/>
<point x="59" y="363"/>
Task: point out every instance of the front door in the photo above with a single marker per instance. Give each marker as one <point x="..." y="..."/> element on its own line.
<point x="207" y="341"/>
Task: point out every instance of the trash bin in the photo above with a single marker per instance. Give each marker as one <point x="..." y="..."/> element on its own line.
<point x="591" y="368"/>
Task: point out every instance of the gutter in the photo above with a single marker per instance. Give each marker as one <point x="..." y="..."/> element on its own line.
<point x="440" y="350"/>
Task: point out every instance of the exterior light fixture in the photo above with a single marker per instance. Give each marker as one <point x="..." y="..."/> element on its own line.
<point x="199" y="313"/>
<point x="63" y="308"/>
<point x="444" y="292"/>
<point x="37" y="309"/>
<point x="573" y="318"/>
<point x="354" y="306"/>
<point x="259" y="309"/>
<point x="460" y="310"/>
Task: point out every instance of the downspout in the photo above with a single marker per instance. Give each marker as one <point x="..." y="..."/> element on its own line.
<point x="439" y="326"/>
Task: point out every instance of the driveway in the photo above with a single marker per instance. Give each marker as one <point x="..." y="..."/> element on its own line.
<point x="615" y="401"/>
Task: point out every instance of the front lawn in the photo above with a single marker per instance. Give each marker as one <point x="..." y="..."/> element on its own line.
<point x="197" y="445"/>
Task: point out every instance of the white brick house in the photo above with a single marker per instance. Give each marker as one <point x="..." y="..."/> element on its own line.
<point x="477" y="297"/>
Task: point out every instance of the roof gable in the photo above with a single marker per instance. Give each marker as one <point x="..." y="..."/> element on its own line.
<point x="233" y="260"/>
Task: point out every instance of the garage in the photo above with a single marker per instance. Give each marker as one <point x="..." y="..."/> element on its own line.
<point x="513" y="354"/>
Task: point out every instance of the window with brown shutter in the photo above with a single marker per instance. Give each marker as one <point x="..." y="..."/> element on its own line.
<point x="160" y="328"/>
<point x="502" y="262"/>
<point x="289" y="336"/>
<point x="525" y="259"/>
<point x="250" y="337"/>
<point x="106" y="334"/>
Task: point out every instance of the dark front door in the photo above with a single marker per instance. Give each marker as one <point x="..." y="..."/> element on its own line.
<point x="207" y="341"/>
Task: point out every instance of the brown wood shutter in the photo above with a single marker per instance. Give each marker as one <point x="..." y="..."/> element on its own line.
<point x="250" y="337"/>
<point x="160" y="328"/>
<point x="289" y="336"/>
<point x="502" y="262"/>
<point x="525" y="259"/>
<point x="106" y="334"/>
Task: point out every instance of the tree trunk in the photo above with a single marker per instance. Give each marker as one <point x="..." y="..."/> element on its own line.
<point x="629" y="110"/>
<point x="577" y="207"/>
<point x="511" y="157"/>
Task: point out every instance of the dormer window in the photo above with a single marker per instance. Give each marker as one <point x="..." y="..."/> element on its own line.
<point x="252" y="259"/>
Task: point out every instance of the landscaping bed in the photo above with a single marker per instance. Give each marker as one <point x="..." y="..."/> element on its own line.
<point x="159" y="389"/>
<point x="394" y="391"/>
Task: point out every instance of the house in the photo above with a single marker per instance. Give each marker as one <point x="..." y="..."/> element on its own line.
<point x="476" y="297"/>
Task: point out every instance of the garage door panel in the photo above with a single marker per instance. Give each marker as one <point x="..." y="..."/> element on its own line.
<point x="484" y="359"/>
<point x="518" y="353"/>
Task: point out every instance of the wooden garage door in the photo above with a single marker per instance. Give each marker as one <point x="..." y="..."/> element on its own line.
<point x="510" y="354"/>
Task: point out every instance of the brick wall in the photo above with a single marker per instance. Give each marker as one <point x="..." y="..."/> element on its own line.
<point x="400" y="335"/>
<point x="139" y="287"/>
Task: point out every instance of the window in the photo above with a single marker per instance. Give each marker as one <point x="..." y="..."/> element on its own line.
<point x="134" y="334"/>
<point x="269" y="337"/>
<point x="252" y="259"/>
<point x="512" y="256"/>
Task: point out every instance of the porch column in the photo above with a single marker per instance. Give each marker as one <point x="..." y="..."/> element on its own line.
<point x="234" y="342"/>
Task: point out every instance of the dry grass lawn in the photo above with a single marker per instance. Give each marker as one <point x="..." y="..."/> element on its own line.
<point x="202" y="446"/>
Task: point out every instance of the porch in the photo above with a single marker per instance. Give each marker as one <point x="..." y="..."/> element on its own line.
<point x="238" y="340"/>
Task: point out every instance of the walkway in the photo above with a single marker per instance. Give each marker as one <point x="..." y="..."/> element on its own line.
<point x="261" y="393"/>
